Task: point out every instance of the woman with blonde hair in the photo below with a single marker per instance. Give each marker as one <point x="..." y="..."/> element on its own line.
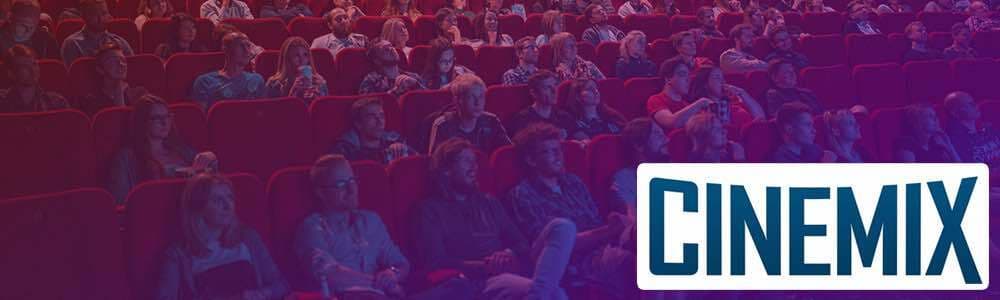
<point x="401" y="8"/>
<point x="217" y="257"/>
<point x="552" y="23"/>
<point x="709" y="143"/>
<point x="296" y="73"/>
<point x="842" y="135"/>
<point x="569" y="65"/>
<point x="632" y="58"/>
<point x="394" y="31"/>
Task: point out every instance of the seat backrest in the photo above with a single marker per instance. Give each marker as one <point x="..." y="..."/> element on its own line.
<point x="680" y="23"/>
<point x="638" y="90"/>
<point x="152" y="223"/>
<point x="762" y="46"/>
<point x="512" y="25"/>
<point x="260" y="136"/>
<point x="506" y="100"/>
<point x="726" y="21"/>
<point x="977" y="77"/>
<point x="424" y="30"/>
<point x="869" y="49"/>
<point x="146" y="70"/>
<point x="47" y="152"/>
<point x="824" y="49"/>
<point x="409" y="182"/>
<point x="757" y="83"/>
<point x="606" y="154"/>
<point x="111" y="130"/>
<point x="990" y="111"/>
<point x="661" y="50"/>
<point x="63" y="245"/>
<point x="679" y="145"/>
<point x="823" y="23"/>
<point x="508" y="171"/>
<point x="352" y="67"/>
<point x="655" y="26"/>
<point x="325" y="65"/>
<point x="269" y="33"/>
<point x="266" y="63"/>
<point x="880" y="85"/>
<point x="54" y="76"/>
<point x="794" y="19"/>
<point x="416" y="107"/>
<point x="369" y="26"/>
<point x="832" y="85"/>
<point x="712" y="48"/>
<point x="494" y="61"/>
<point x="156" y="31"/>
<point x="183" y="68"/>
<point x="760" y="138"/>
<point x="940" y="21"/>
<point x="895" y="22"/>
<point x="928" y="81"/>
<point x="330" y="117"/>
<point x="309" y="28"/>
<point x="888" y="125"/>
<point x="126" y="29"/>
<point x="607" y="56"/>
<point x="191" y="123"/>
<point x="533" y="25"/>
<point x="464" y="56"/>
<point x="987" y="43"/>
<point x="939" y="40"/>
<point x="291" y="199"/>
<point x="613" y="94"/>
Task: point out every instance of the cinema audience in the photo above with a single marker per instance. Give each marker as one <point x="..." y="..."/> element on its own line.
<point x="592" y="116"/>
<point x="296" y="74"/>
<point x="544" y="109"/>
<point x="859" y="19"/>
<point x="916" y="32"/>
<point x="111" y="89"/>
<point x="731" y="103"/>
<point x="973" y="140"/>
<point x="549" y="192"/>
<point x="182" y="33"/>
<point x="738" y="59"/>
<point x="937" y="6"/>
<point x="153" y="150"/>
<point x="798" y="145"/>
<point x="646" y="143"/>
<point x="527" y="60"/>
<point x="727" y="6"/>
<point x="754" y="17"/>
<point x="632" y="58"/>
<point x="894" y="6"/>
<point x="489" y="31"/>
<point x="843" y="134"/>
<point x="469" y="120"/>
<point x="636" y="7"/>
<point x="666" y="7"/>
<point x="23" y="29"/>
<point x="94" y="34"/>
<point x="599" y="30"/>
<point x="670" y="108"/>
<point x="441" y="68"/>
<point x="709" y="141"/>
<point x="459" y="7"/>
<point x="446" y="26"/>
<point x="980" y="18"/>
<point x="340" y="36"/>
<point x="552" y="23"/>
<point x="285" y="10"/>
<point x="401" y="8"/>
<point x="813" y="6"/>
<point x="922" y="139"/>
<point x="496" y="6"/>
<point x="347" y="247"/>
<point x="461" y="227"/>
<point x="387" y="76"/>
<point x="685" y="45"/>
<point x="219" y="10"/>
<point x="707" y="27"/>
<point x="25" y="94"/>
<point x="569" y="65"/>
<point x="394" y="31"/>
<point x="232" y="81"/>
<point x="784" y="89"/>
<point x="368" y="139"/>
<point x="783" y="49"/>
<point x="153" y="9"/>
<point x="217" y="257"/>
<point x="961" y="45"/>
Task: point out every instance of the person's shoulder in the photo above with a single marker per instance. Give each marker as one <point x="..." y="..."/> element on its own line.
<point x="572" y="179"/>
<point x="444" y="119"/>
<point x="253" y="76"/>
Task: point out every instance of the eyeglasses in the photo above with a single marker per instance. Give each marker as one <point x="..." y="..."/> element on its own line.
<point x="341" y="184"/>
<point x="161" y="118"/>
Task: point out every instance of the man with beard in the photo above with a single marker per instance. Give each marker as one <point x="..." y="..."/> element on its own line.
<point x="25" y="95"/>
<point x="340" y="36"/>
<point x="233" y="81"/>
<point x="368" y="139"/>
<point x="387" y="77"/>
<point x="23" y="30"/>
<point x="527" y="57"/>
<point x="94" y="34"/>
<point x="600" y="30"/>
<point x="647" y="144"/>
<point x="460" y="227"/>
<point x="542" y="88"/>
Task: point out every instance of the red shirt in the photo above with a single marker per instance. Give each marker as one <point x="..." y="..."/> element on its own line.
<point x="661" y="101"/>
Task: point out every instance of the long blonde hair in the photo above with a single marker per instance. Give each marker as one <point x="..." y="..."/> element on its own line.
<point x="558" y="42"/>
<point x="193" y="201"/>
<point x="626" y="44"/>
<point x="283" y="71"/>
<point x="390" y="35"/>
<point x="549" y="19"/>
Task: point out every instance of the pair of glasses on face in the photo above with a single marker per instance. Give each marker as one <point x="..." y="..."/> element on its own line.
<point x="162" y="118"/>
<point x="341" y="184"/>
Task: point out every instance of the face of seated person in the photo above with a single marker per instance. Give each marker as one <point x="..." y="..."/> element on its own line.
<point x="446" y="62"/>
<point x="371" y="122"/>
<point x="220" y="208"/>
<point x="113" y="66"/>
<point x="160" y="122"/>
<point x="847" y="129"/>
<point x="25" y="23"/>
<point x="297" y="57"/>
<point x="239" y="52"/>
<point x="472" y="103"/>
<point x="187" y="31"/>
<point x="545" y="94"/>
<point x="463" y="172"/>
<point x="547" y="158"/>
<point x="785" y="76"/>
<point x="338" y="188"/>
<point x="96" y="17"/>
<point x="800" y="130"/>
<point x="782" y="41"/>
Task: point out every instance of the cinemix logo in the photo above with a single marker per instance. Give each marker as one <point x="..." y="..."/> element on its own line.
<point x="813" y="227"/>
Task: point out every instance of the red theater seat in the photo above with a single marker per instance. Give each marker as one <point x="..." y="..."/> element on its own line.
<point x="512" y="25"/>
<point x="760" y="138"/>
<point x="939" y="40"/>
<point x="54" y="76"/>
<point x="762" y="47"/>
<point x="260" y="136"/>
<point x="638" y="90"/>
<point x="987" y="43"/>
<point x="505" y="101"/>
<point x="869" y="49"/>
<point x="940" y="21"/>
<point x="409" y="184"/>
<point x="613" y="93"/>
<point x="607" y="56"/>
<point x="415" y="107"/>
<point x="190" y="121"/>
<point x="152" y="223"/>
<point x="182" y="69"/>
<point x="990" y="111"/>
<point x="47" y="152"/>
<point x="832" y="85"/>
<point x="494" y="61"/>
<point x="266" y="63"/>
<point x="464" y="56"/>
<point x="326" y="66"/>
<point x="726" y="21"/>
<point x="291" y="199"/>
<point x="330" y="117"/>
<point x="507" y="171"/>
<point x="310" y="28"/>
<point x="655" y="26"/>
<point x="880" y="85"/>
<point x="533" y="25"/>
<point x="824" y="50"/>
<point x="606" y="154"/>
<point x="680" y="23"/>
<point x="62" y="245"/>
<point x="757" y="83"/>
<point x="895" y="22"/>
<point x="793" y="19"/>
<point x="126" y="29"/>
<point x="679" y="145"/>
<point x="928" y="81"/>
<point x="823" y="23"/>
<point x="155" y="32"/>
<point x="661" y="50"/>
<point x="888" y="126"/>
<point x="712" y="48"/>
<point x="977" y="77"/>
<point x="352" y="65"/>
<point x="145" y="70"/>
<point x="269" y="33"/>
<point x="67" y="27"/>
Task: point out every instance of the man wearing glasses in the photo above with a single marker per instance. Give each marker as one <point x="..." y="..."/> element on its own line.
<point x="527" y="57"/>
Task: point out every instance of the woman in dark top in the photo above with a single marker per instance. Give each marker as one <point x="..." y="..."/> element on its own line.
<point x="632" y="58"/>
<point x="842" y="136"/>
<point x="441" y="69"/>
<point x="922" y="139"/>
<point x="593" y="117"/>
<point x="181" y="37"/>
<point x="217" y="256"/>
<point x="488" y="30"/>
<point x="709" y="143"/>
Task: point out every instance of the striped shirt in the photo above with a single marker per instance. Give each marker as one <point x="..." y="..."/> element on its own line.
<point x="213" y="10"/>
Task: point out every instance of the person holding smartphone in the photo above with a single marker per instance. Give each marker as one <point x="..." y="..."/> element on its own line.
<point x="295" y="76"/>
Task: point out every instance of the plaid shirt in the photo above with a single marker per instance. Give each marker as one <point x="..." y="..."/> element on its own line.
<point x="376" y="82"/>
<point x="533" y="204"/>
<point x="584" y="70"/>
<point x="213" y="10"/>
<point x="335" y="44"/>
<point x="518" y="75"/>
<point x="11" y="102"/>
<point x="595" y="35"/>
